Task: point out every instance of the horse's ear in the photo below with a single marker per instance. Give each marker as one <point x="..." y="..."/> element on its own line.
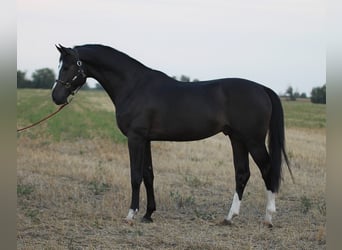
<point x="63" y="50"/>
<point x="59" y="48"/>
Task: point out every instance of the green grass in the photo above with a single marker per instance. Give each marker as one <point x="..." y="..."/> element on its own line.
<point x="77" y="120"/>
<point x="301" y="114"/>
<point x="24" y="190"/>
<point x="91" y="115"/>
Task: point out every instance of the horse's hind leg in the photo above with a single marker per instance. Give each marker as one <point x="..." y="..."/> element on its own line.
<point x="242" y="174"/>
<point x="262" y="159"/>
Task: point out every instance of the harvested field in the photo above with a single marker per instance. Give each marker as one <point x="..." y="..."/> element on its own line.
<point x="73" y="185"/>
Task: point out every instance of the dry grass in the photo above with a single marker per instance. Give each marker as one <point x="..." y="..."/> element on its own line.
<point x="74" y="195"/>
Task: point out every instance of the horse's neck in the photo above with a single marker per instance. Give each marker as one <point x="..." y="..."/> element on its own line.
<point x="116" y="80"/>
<point x="111" y="82"/>
<point x="118" y="73"/>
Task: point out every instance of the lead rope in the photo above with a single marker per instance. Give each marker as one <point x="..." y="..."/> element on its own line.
<point x="44" y="119"/>
<point x="80" y="71"/>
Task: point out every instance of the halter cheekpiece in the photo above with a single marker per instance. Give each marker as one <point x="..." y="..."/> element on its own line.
<point x="80" y="71"/>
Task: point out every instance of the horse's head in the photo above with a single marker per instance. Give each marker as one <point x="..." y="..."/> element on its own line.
<point x="71" y="75"/>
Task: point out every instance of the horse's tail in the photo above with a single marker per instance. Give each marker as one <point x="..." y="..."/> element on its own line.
<point x="276" y="140"/>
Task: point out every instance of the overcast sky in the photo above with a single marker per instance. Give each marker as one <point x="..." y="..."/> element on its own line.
<point x="276" y="43"/>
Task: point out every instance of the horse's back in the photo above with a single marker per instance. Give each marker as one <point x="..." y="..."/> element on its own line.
<point x="188" y="111"/>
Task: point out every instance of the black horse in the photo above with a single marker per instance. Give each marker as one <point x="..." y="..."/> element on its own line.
<point x="152" y="106"/>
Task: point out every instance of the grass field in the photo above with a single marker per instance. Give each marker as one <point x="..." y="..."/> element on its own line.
<point x="73" y="184"/>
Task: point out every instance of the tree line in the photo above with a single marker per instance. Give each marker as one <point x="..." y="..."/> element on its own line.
<point x="41" y="79"/>
<point x="45" y="78"/>
<point x="318" y="94"/>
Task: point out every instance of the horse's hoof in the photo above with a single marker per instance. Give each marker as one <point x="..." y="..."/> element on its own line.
<point x="225" y="222"/>
<point x="268" y="224"/>
<point x="146" y="219"/>
<point x="128" y="221"/>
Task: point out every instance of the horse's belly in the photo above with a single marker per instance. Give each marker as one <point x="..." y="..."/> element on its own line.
<point x="185" y="130"/>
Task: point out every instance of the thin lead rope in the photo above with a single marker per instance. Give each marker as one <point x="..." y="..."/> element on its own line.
<point x="44" y="119"/>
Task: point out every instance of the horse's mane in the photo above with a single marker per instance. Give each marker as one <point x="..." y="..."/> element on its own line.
<point x="106" y="52"/>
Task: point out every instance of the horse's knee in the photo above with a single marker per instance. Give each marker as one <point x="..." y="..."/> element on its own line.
<point x="136" y="182"/>
<point x="148" y="176"/>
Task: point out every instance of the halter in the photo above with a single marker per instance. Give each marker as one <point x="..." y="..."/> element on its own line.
<point x="80" y="71"/>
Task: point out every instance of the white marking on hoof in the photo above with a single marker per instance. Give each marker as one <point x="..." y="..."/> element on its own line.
<point x="234" y="209"/>
<point x="270" y="208"/>
<point x="131" y="214"/>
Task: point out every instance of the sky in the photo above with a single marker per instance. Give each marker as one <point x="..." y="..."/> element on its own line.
<point x="276" y="43"/>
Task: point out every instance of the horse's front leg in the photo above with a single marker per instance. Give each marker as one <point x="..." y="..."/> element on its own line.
<point x="137" y="149"/>
<point x="148" y="181"/>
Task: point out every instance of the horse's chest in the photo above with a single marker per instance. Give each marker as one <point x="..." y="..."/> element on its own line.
<point x="131" y="122"/>
<point x="123" y="122"/>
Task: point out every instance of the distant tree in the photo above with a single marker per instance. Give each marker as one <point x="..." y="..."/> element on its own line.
<point x="22" y="81"/>
<point x="318" y="94"/>
<point x="289" y="91"/>
<point x="43" y="78"/>
<point x="21" y="78"/>
<point x="303" y="95"/>
<point x="290" y="94"/>
<point x="184" y="78"/>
